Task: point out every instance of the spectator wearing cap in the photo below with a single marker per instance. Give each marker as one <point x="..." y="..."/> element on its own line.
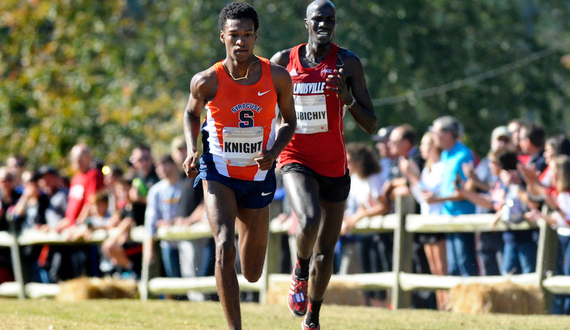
<point x="386" y="158"/>
<point x="49" y="181"/>
<point x="461" y="256"/>
<point x="490" y="248"/>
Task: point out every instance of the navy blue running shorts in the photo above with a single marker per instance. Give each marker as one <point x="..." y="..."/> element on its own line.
<point x="330" y="189"/>
<point x="249" y="194"/>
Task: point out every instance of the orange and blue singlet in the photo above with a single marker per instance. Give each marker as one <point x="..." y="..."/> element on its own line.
<point x="240" y="122"/>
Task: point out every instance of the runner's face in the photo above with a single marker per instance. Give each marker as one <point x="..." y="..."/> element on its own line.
<point x="321" y="24"/>
<point x="239" y="37"/>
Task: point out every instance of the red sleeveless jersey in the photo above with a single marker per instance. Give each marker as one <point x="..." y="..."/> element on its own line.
<point x="318" y="142"/>
<point x="240" y="122"/>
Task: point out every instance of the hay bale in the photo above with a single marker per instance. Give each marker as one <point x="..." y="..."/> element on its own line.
<point x="85" y="288"/>
<point x="344" y="293"/>
<point x="506" y="297"/>
<point x="338" y="293"/>
<point x="277" y="293"/>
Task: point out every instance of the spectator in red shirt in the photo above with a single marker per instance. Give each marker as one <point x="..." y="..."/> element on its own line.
<point x="85" y="183"/>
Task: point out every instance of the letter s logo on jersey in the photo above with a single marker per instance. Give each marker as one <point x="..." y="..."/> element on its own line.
<point x="246" y="113"/>
<point x="246" y="118"/>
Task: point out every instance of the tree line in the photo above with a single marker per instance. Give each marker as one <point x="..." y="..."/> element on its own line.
<point x="116" y="73"/>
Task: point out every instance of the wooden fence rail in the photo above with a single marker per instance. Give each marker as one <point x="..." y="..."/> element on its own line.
<point x="401" y="280"/>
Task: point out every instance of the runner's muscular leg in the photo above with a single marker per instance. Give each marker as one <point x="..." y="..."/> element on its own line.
<point x="303" y="193"/>
<point x="253" y="232"/>
<point x="221" y="209"/>
<point x="329" y="231"/>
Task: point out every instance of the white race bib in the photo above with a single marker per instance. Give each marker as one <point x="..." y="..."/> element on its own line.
<point x="311" y="113"/>
<point x="242" y="145"/>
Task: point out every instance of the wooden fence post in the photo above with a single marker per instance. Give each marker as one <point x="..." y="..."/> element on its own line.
<point x="402" y="254"/>
<point x="271" y="265"/>
<point x="546" y="258"/>
<point x="16" y="260"/>
<point x="146" y="253"/>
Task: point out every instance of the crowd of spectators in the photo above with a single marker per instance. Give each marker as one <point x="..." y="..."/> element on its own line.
<point x="150" y="193"/>
<point x="522" y="172"/>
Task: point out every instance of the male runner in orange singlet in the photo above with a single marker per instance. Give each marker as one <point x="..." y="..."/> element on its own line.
<point x="241" y="144"/>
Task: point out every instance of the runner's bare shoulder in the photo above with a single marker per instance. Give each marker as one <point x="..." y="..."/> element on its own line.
<point x="282" y="57"/>
<point x="204" y="84"/>
<point x="280" y="76"/>
<point x="348" y="60"/>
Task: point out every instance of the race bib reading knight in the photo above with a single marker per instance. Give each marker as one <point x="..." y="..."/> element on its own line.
<point x="242" y="145"/>
<point x="311" y="113"/>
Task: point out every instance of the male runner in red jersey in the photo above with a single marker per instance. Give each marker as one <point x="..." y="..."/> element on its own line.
<point x="325" y="77"/>
<point x="241" y="145"/>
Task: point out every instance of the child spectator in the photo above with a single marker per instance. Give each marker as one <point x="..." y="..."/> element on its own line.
<point x="96" y="219"/>
<point x="125" y="256"/>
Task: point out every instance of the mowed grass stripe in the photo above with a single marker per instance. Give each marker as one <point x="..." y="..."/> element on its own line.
<point x="167" y="314"/>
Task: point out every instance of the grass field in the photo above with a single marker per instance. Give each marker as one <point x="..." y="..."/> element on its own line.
<point x="161" y="314"/>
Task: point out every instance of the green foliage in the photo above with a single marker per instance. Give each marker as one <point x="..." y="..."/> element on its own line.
<point x="115" y="73"/>
<point x="413" y="45"/>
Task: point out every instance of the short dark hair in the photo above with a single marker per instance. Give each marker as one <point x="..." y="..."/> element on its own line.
<point x="364" y="157"/>
<point x="20" y="160"/>
<point x="409" y="134"/>
<point x="506" y="158"/>
<point x="142" y="146"/>
<point x="238" y="10"/>
<point x="535" y="133"/>
<point x="116" y="170"/>
<point x="165" y="159"/>
<point x="101" y="197"/>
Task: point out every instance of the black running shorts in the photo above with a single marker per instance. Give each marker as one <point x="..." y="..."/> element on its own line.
<point x="330" y="189"/>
